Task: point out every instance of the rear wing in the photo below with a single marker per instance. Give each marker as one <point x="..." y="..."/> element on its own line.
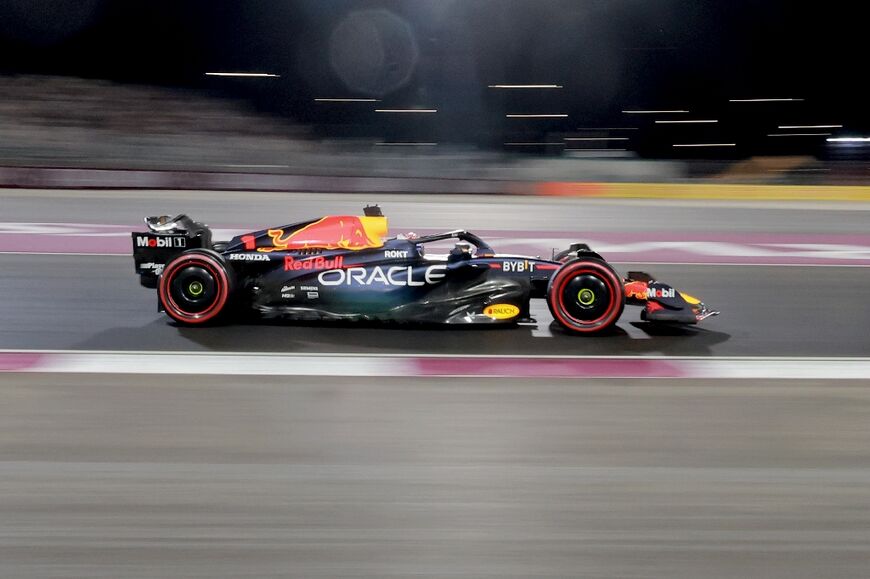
<point x="166" y="237"/>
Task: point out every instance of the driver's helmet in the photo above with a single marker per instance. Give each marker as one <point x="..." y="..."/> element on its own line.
<point x="460" y="251"/>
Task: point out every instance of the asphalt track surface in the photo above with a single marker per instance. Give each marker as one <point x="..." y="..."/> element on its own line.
<point x="95" y="303"/>
<point x="108" y="476"/>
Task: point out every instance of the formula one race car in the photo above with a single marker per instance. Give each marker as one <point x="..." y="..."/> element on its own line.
<point x="346" y="268"/>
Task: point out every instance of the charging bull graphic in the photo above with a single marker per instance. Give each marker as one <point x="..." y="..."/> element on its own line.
<point x="332" y="232"/>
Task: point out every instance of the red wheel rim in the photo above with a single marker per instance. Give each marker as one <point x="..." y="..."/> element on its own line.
<point x="221" y="281"/>
<point x="561" y="312"/>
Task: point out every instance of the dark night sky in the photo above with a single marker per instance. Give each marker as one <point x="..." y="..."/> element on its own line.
<point x="609" y="55"/>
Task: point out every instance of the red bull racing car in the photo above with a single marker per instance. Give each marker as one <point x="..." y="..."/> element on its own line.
<point x="342" y="267"/>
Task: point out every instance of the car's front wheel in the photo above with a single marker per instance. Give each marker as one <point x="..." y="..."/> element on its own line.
<point x="586" y="296"/>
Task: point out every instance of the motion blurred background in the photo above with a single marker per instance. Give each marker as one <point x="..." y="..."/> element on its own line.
<point x="764" y="91"/>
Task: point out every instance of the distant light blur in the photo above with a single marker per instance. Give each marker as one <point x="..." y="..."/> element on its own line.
<point x="765" y="100"/>
<point x="244" y="74"/>
<point x="655" y="112"/>
<point x="495" y="71"/>
<point x="687" y="121"/>
<point x="525" y="86"/>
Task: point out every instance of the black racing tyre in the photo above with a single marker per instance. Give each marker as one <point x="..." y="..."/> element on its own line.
<point x="574" y="251"/>
<point x="195" y="287"/>
<point x="586" y="296"/>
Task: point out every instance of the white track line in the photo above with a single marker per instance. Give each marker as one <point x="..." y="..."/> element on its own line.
<point x="434" y="365"/>
<point x="422" y="355"/>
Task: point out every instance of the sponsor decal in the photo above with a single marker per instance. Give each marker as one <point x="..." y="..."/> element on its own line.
<point x="501" y="311"/>
<point x="288" y="292"/>
<point x="518" y="266"/>
<point x="312" y="264"/>
<point x="660" y="293"/>
<point x="247" y="257"/>
<point x="161" y="242"/>
<point x="636" y="290"/>
<point x="640" y="290"/>
<point x="396" y="253"/>
<point x="331" y="232"/>
<point x="393" y="276"/>
<point x="156" y="268"/>
<point x="250" y="242"/>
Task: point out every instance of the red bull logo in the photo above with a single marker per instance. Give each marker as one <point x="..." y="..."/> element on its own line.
<point x="636" y="290"/>
<point x="331" y="232"/>
<point x="313" y="264"/>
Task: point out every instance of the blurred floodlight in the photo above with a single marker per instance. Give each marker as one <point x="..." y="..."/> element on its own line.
<point x="509" y="86"/>
<point x="763" y="100"/>
<point x="707" y="145"/>
<point x="798" y="134"/>
<point x="661" y="112"/>
<point x="687" y="121"/>
<point x="535" y="144"/>
<point x="345" y="100"/>
<point x="585" y="149"/>
<point x="810" y="127"/>
<point x="406" y="110"/>
<point x="596" y="138"/>
<point x="244" y="74"/>
<point x="538" y="116"/>
<point x="405" y="144"/>
<point x="848" y="140"/>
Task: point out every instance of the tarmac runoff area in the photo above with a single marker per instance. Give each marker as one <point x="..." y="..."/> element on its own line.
<point x="133" y="476"/>
<point x="131" y="448"/>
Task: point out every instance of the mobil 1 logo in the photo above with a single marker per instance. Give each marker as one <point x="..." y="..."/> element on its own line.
<point x="161" y="241"/>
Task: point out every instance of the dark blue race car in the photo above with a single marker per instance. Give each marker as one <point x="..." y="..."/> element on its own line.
<point x="342" y="267"/>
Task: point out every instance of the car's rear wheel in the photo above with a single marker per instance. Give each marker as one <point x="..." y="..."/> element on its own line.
<point x="195" y="287"/>
<point x="586" y="296"/>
